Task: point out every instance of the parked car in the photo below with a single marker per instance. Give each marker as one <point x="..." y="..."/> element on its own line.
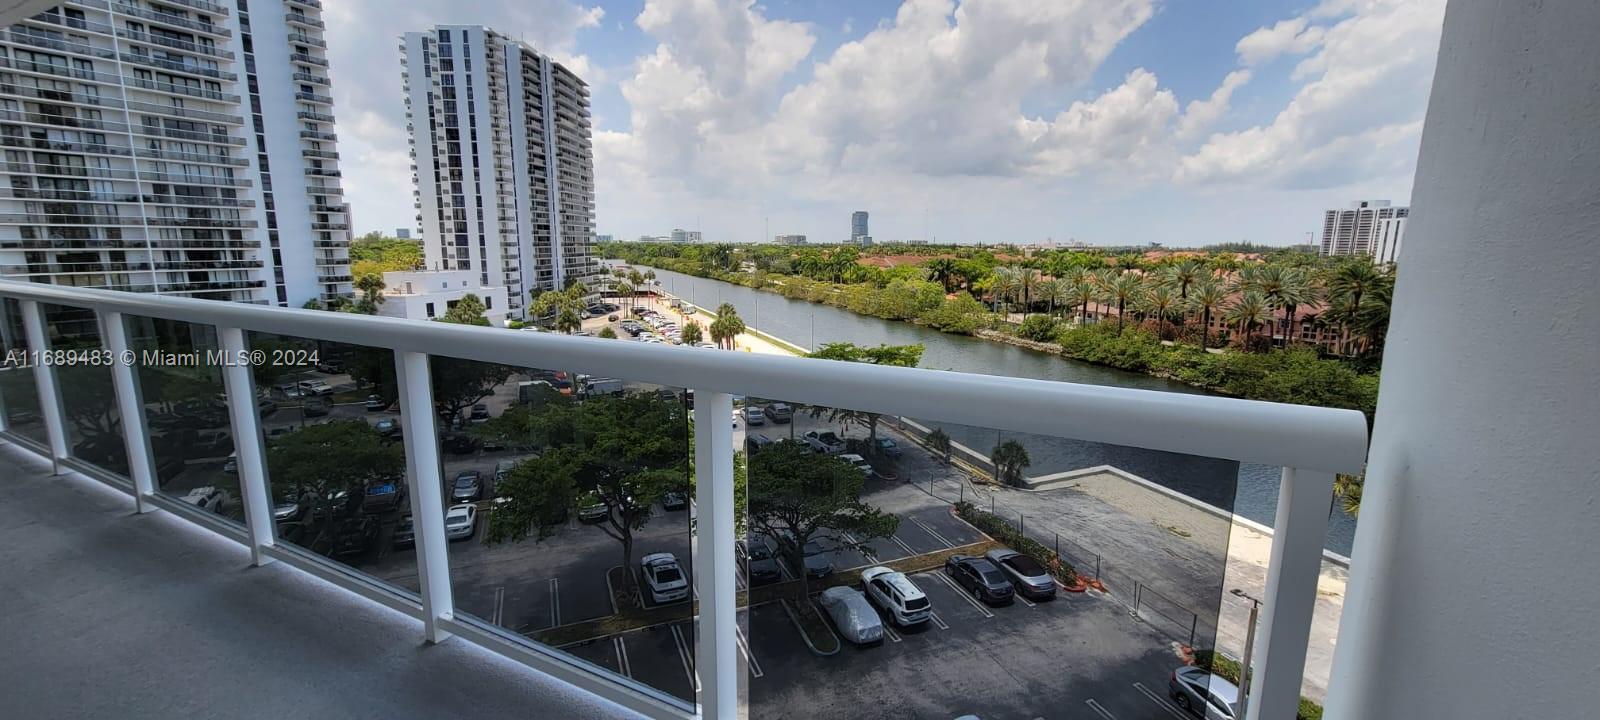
<point x="674" y="500"/>
<point x="1030" y="578"/>
<point x="594" y="512"/>
<point x="315" y="387"/>
<point x="354" y="536"/>
<point x="207" y="498"/>
<point x="859" y="463"/>
<point x="755" y="442"/>
<point x="853" y="615"/>
<point x="459" y="444"/>
<point x="818" y="562"/>
<point x="896" y="595"/>
<point x="376" y="404"/>
<point x="760" y="565"/>
<point x="665" y="579"/>
<point x="288" y="508"/>
<point x="386" y="427"/>
<point x="480" y="413"/>
<point x="981" y="578"/>
<point x="754" y="415"/>
<point x="405" y="533"/>
<point x="384" y="496"/>
<point x="460" y="521"/>
<point x="467" y="487"/>
<point x="888" y="447"/>
<point x="1204" y="694"/>
<point x="780" y="413"/>
<point x="824" y="441"/>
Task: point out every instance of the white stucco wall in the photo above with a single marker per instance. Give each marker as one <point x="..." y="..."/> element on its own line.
<point x="1474" y="584"/>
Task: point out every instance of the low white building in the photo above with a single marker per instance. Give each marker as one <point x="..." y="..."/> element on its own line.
<point x="427" y="294"/>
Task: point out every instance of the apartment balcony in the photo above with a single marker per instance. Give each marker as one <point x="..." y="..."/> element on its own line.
<point x="314" y="98"/>
<point x="322" y="172"/>
<point x="312" y="115"/>
<point x="329" y="226"/>
<point x="184" y="45"/>
<point x="304" y="39"/>
<point x="320" y="154"/>
<point x="309" y="78"/>
<point x="312" y="4"/>
<point x="508" y="601"/>
<point x="302" y="20"/>
<point x="178" y="67"/>
<point x="173" y="111"/>
<point x="318" y="135"/>
<point x="201" y="5"/>
<point x="172" y="21"/>
<point x="185" y="90"/>
<point x="324" y="190"/>
<point x="306" y="59"/>
<point x="329" y="208"/>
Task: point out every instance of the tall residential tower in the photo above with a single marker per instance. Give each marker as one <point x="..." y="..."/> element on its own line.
<point x="180" y="147"/>
<point x="1363" y="228"/>
<point x="504" y="162"/>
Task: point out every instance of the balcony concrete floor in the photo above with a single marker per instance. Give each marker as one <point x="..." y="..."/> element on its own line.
<point x="104" y="613"/>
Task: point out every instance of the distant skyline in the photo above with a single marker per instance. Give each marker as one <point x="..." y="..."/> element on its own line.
<point x="1110" y="122"/>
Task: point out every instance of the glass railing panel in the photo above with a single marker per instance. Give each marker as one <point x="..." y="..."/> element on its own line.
<point x="88" y="398"/>
<point x="336" y="467"/>
<point x="18" y="391"/>
<point x="568" y="513"/>
<point x="178" y="368"/>
<point x="882" y="579"/>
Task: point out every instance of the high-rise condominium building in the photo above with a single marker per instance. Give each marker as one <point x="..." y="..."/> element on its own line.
<point x="858" y="228"/>
<point x="504" y="163"/>
<point x="180" y="147"/>
<point x="1357" y="230"/>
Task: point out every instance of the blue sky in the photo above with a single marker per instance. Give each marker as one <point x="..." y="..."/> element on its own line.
<point x="1107" y="121"/>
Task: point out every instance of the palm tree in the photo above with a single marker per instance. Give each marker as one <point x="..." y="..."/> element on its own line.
<point x="1160" y="301"/>
<point x="1284" y="288"/>
<point x="1183" y="276"/>
<point x="1205" y="297"/>
<point x="1248" y="311"/>
<point x="1010" y="458"/>
<point x="1346" y="288"/>
<point x="1120" y="287"/>
<point x="727" y="325"/>
<point x="636" y="279"/>
<point x="1057" y="291"/>
<point x="1004" y="285"/>
<point x="1080" y="293"/>
<point x="567" y="306"/>
<point x="1028" y="280"/>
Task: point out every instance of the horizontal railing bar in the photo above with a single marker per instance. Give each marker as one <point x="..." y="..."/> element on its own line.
<point x="325" y="570"/>
<point x="1302" y="436"/>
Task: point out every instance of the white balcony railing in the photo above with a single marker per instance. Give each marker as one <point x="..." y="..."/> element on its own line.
<point x="1311" y="444"/>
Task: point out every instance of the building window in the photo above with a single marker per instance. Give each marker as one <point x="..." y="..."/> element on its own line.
<point x="488" y="302"/>
<point x="430" y="309"/>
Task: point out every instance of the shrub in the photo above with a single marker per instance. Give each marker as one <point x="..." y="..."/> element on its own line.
<point x="999" y="529"/>
<point x="961" y="314"/>
<point x="1038" y="328"/>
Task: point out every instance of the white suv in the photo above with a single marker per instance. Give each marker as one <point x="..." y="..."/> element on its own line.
<point x="665" y="578"/>
<point x="897" y="595"/>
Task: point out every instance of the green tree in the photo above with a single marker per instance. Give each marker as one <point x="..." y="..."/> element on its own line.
<point x="1248" y="312"/>
<point x="895" y="355"/>
<point x="371" y="287"/>
<point x="564" y="306"/>
<point x="328" y="461"/>
<point x="1205" y="298"/>
<point x="1284" y="288"/>
<point x="469" y="310"/>
<point x="1161" y="303"/>
<point x="620" y="451"/>
<point x="1120" y="287"/>
<point x="943" y="270"/>
<point x="796" y="494"/>
<point x="1348" y="489"/>
<point x="1349" y="286"/>
<point x="727" y="326"/>
<point x="1010" y="458"/>
<point x="692" y="334"/>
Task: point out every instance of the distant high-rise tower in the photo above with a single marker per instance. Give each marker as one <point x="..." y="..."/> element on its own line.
<point x="1357" y="230"/>
<point x="183" y="148"/>
<point x="504" y="161"/>
<point x="858" y="228"/>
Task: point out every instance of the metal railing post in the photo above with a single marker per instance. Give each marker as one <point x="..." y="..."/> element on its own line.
<point x="130" y="405"/>
<point x="426" y="489"/>
<point x="44" y="378"/>
<point x="716" y="656"/>
<point x="1291" y="596"/>
<point x="250" y="457"/>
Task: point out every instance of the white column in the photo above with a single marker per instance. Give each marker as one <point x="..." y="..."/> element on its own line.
<point x="44" y="379"/>
<point x="130" y="406"/>
<point x="426" y="489"/>
<point x="1291" y="595"/>
<point x="716" y="658"/>
<point x="1473" y="582"/>
<point x="238" y="382"/>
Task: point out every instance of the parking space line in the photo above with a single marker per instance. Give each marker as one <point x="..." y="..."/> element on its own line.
<point x="1095" y="706"/>
<point x="685" y="657"/>
<point x="555" y="603"/>
<point x="1024" y="600"/>
<point x="939" y="621"/>
<point x="903" y="545"/>
<point x="755" y="667"/>
<point x="963" y="593"/>
<point x="865" y="550"/>
<point x="1157" y="699"/>
<point x="499" y="605"/>
<point x="622" y="655"/>
<point x="929" y="530"/>
<point x="888" y="631"/>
